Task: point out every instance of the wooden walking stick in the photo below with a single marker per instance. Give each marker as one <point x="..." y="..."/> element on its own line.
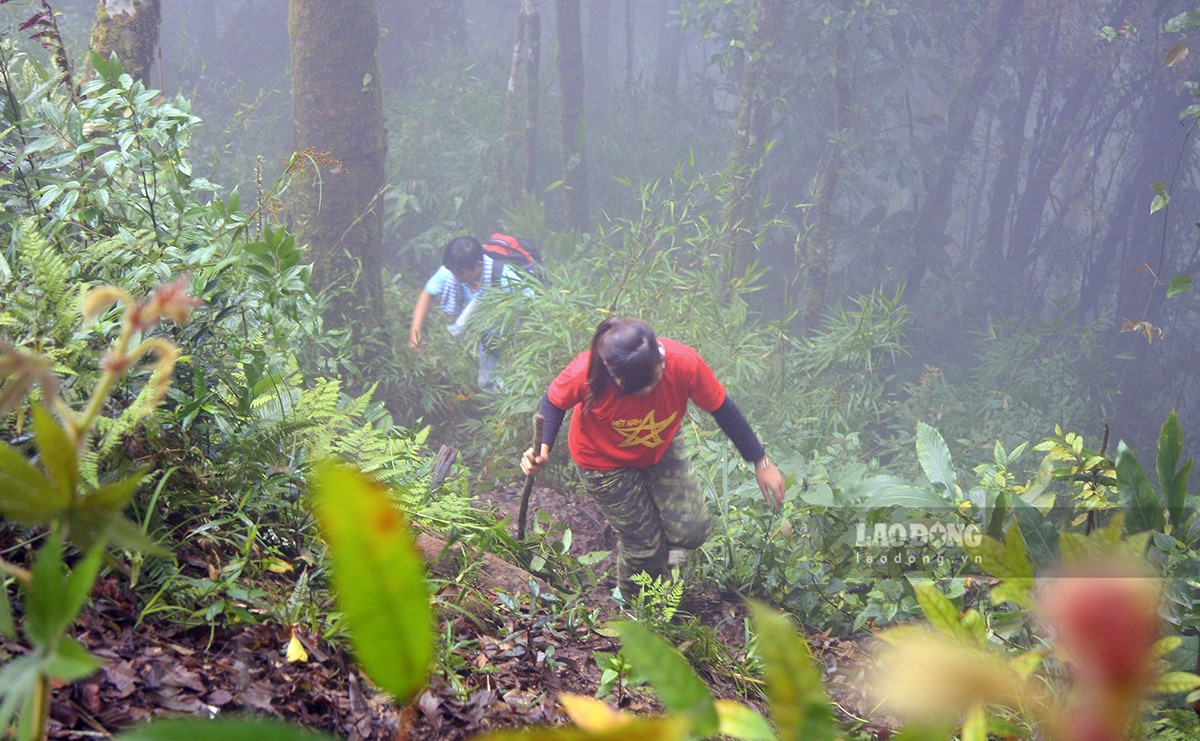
<point x="538" y="422"/>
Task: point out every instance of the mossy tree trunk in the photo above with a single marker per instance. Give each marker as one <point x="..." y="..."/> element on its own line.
<point x="338" y="123"/>
<point x="130" y="29"/>
<point x="519" y="176"/>
<point x="570" y="81"/>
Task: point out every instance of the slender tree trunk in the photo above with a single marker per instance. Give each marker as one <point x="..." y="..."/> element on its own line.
<point x="818" y="237"/>
<point x="533" y="53"/>
<point x="929" y="228"/>
<point x="508" y="168"/>
<point x="740" y="213"/>
<point x="670" y="47"/>
<point x="338" y="121"/>
<point x="570" y="77"/>
<point x="1005" y="183"/>
<point x="128" y="28"/>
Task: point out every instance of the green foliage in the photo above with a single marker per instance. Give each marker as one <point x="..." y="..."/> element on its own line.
<point x="681" y="691"/>
<point x="657" y="598"/>
<point x="54" y="495"/>
<point x="1006" y="398"/>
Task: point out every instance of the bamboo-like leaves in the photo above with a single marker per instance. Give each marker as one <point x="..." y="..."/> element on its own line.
<point x="379" y="578"/>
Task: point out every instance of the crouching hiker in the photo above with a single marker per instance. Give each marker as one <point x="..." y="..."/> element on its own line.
<point x="457" y="285"/>
<point x="629" y="394"/>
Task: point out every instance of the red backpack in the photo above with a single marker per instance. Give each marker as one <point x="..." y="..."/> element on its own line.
<point x="518" y="251"/>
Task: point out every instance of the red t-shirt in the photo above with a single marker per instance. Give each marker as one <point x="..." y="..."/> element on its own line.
<point x="632" y="430"/>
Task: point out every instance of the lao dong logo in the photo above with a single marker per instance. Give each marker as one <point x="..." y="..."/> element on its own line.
<point x="908" y="534"/>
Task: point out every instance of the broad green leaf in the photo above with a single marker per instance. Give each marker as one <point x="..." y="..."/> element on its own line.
<point x="799" y="705"/>
<point x="1165" y="646"/>
<point x="70" y="661"/>
<point x="1172" y="484"/>
<point x="46" y="598"/>
<point x="1181" y="283"/>
<point x="1136" y="495"/>
<point x="89" y="528"/>
<point x="223" y="729"/>
<point x="58" y="456"/>
<point x="1009" y="562"/>
<point x="1182" y="22"/>
<point x="681" y="691"/>
<point x="1174" y="683"/>
<point x="742" y="722"/>
<point x="975" y="627"/>
<point x="888" y="491"/>
<point x="940" y="612"/>
<point x="113" y="497"/>
<point x="934" y="456"/>
<point x="24" y="503"/>
<point x="1001" y="508"/>
<point x="379" y="579"/>
<point x="1038" y="532"/>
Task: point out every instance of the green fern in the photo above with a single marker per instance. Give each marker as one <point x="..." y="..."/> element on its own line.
<point x="1172" y="725"/>
<point x="43" y="299"/>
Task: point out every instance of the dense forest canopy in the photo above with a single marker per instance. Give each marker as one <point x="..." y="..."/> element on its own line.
<point x="941" y="253"/>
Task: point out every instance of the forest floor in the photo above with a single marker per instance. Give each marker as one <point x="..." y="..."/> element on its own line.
<point x="496" y="675"/>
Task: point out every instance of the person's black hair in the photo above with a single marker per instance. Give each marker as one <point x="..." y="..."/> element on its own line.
<point x="626" y="349"/>
<point x="462" y="253"/>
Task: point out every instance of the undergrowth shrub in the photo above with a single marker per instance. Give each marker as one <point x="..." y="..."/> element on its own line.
<point x="104" y="193"/>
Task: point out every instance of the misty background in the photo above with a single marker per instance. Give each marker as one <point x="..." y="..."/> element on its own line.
<point x="994" y="164"/>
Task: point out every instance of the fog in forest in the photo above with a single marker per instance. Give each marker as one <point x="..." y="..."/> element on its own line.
<point x="1019" y="176"/>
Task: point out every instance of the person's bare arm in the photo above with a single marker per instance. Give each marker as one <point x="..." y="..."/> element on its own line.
<point x="420" y="311"/>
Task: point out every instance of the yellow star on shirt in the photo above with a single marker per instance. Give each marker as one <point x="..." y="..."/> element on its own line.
<point x="645" y="431"/>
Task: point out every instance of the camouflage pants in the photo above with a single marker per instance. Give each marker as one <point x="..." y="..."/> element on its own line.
<point x="652" y="510"/>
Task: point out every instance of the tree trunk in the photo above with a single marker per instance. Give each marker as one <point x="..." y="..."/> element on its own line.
<point x="818" y="237"/>
<point x="740" y="212"/>
<point x="508" y="163"/>
<point x="338" y="122"/>
<point x="929" y="227"/>
<point x="128" y="28"/>
<point x="670" y="48"/>
<point x="1006" y="181"/>
<point x="570" y="80"/>
<point x="533" y="46"/>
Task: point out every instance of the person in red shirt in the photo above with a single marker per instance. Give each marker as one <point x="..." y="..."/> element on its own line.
<point x="629" y="394"/>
